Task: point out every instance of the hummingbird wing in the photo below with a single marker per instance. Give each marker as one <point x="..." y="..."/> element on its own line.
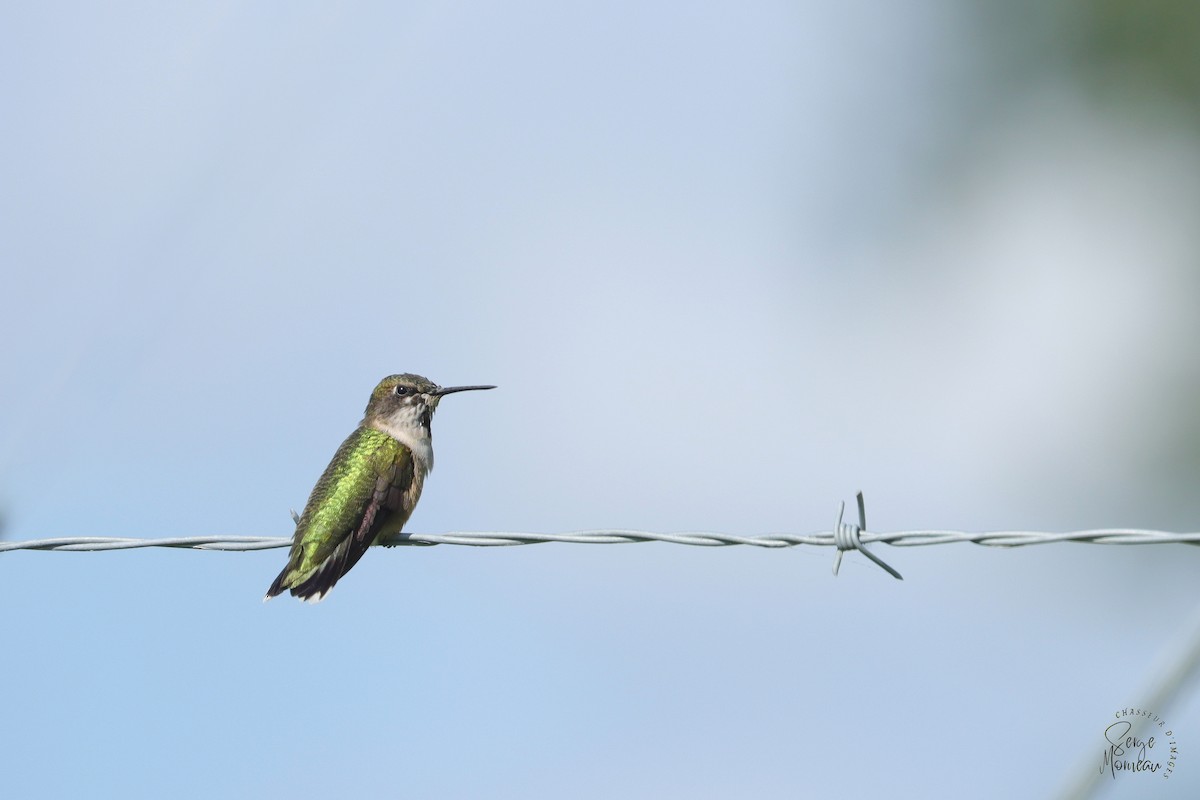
<point x="361" y="493"/>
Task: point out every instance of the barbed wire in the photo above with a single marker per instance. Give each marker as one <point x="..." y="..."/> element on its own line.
<point x="844" y="536"/>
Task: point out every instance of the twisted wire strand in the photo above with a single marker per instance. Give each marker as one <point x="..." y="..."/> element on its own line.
<point x="844" y="536"/>
<point x="916" y="538"/>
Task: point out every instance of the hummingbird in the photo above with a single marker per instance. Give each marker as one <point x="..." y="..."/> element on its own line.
<point x="369" y="489"/>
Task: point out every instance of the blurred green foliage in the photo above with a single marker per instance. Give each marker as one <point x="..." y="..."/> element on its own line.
<point x="1126" y="50"/>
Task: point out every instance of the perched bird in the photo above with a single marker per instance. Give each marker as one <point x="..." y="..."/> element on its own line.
<point x="369" y="488"/>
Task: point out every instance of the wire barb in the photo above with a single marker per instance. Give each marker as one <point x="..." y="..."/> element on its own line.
<point x="846" y="537"/>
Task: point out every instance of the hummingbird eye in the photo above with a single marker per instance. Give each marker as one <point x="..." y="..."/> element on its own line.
<point x="401" y="390"/>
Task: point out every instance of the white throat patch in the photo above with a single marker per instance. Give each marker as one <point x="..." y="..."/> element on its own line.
<point x="404" y="428"/>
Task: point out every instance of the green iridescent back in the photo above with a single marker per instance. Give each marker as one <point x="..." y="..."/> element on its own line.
<point x="368" y="469"/>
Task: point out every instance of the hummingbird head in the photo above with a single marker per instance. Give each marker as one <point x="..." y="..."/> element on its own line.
<point x="406" y="403"/>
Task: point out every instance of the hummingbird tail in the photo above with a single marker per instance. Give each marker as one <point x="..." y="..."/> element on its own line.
<point x="278" y="586"/>
<point x="311" y="587"/>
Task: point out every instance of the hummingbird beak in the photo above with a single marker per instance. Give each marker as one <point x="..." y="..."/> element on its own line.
<point x="452" y="389"/>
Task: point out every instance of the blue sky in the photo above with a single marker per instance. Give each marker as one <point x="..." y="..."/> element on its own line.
<point x="727" y="267"/>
